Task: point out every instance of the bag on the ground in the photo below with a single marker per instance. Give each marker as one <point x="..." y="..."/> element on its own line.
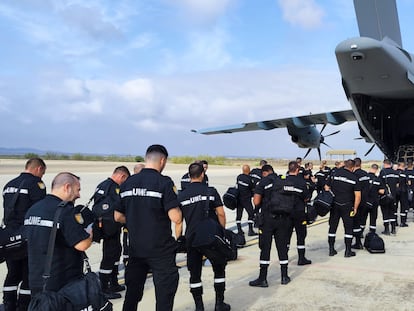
<point x="236" y="240"/>
<point x="230" y="198"/>
<point x="323" y="202"/>
<point x="374" y="243"/>
<point x="48" y="301"/>
<point x="311" y="214"/>
<point x="281" y="201"/>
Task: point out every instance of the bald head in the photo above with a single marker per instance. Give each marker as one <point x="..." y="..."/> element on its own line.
<point x="246" y="169"/>
<point x="66" y="186"/>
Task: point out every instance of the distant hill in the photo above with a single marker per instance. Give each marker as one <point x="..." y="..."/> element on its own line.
<point x="20" y="151"/>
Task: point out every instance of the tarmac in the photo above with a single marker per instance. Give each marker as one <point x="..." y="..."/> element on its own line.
<point x="364" y="282"/>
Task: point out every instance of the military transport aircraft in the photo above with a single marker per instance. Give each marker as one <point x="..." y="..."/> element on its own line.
<point x="378" y="79"/>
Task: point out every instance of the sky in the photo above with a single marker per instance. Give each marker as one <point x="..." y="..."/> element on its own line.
<point x="113" y="77"/>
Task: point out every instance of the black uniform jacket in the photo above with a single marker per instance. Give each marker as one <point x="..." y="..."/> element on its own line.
<point x="245" y="185"/>
<point x="343" y="184"/>
<point x="146" y="199"/>
<point x="32" y="190"/>
<point x="67" y="263"/>
<point x="193" y="203"/>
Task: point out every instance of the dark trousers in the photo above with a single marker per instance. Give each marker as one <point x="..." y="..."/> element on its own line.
<point x="388" y="212"/>
<point x="373" y="214"/>
<point x="111" y="252"/>
<point x="277" y="228"/>
<point x="165" y="278"/>
<point x="195" y="265"/>
<point x="244" y="204"/>
<point x="299" y="224"/>
<point x="402" y="199"/>
<point x="17" y="273"/>
<point x="341" y="212"/>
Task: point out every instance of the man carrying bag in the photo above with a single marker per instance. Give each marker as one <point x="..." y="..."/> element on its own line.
<point x="56" y="216"/>
<point x="202" y="207"/>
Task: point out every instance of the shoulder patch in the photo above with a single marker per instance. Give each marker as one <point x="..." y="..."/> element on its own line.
<point x="41" y="185"/>
<point x="175" y="189"/>
<point x="79" y="218"/>
<point x="117" y="190"/>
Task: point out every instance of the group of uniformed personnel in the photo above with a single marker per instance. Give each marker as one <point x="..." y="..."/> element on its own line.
<point x="146" y="203"/>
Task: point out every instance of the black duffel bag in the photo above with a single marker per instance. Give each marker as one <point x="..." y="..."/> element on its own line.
<point x="231" y="197"/>
<point x="324" y="202"/>
<point x="13" y="244"/>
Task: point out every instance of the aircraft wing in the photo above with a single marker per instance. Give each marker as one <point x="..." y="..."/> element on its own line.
<point x="335" y="118"/>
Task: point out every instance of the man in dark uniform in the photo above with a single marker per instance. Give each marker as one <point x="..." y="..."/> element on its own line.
<point x="193" y="204"/>
<point x="29" y="188"/>
<point x="186" y="180"/>
<point x="402" y="194"/>
<point x="321" y="176"/>
<point x="244" y="201"/>
<point x="375" y="189"/>
<point x="148" y="205"/>
<point x="410" y="181"/>
<point x="271" y="226"/>
<point x="108" y="190"/>
<point x="347" y="190"/>
<point x="389" y="178"/>
<point x="298" y="216"/>
<point x="256" y="173"/>
<point x="71" y="238"/>
<point x="363" y="180"/>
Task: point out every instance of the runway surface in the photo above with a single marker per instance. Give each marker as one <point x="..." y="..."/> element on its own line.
<point x="364" y="282"/>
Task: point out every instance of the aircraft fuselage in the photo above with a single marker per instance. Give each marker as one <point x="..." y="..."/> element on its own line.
<point x="378" y="79"/>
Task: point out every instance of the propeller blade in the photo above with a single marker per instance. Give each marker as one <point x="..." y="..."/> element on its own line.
<point x="307" y="152"/>
<point x="323" y="127"/>
<point x="334" y="133"/>
<point x="319" y="152"/>
<point x="326" y="144"/>
<point x="358" y="138"/>
<point x="370" y="149"/>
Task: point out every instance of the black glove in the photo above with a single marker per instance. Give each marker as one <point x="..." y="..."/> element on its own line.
<point x="181" y="244"/>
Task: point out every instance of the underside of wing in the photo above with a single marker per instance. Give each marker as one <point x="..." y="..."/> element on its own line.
<point x="334" y="118"/>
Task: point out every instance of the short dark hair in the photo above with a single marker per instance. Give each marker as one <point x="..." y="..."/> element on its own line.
<point x="35" y="162"/>
<point x="204" y="162"/>
<point x="349" y="163"/>
<point x="387" y="161"/>
<point x="267" y="168"/>
<point x="122" y="169"/>
<point x="157" y="149"/>
<point x="195" y="170"/>
<point x="358" y="161"/>
<point x="293" y="166"/>
<point x="262" y="162"/>
<point x="374" y="166"/>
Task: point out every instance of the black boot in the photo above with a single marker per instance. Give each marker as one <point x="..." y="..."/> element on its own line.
<point x="198" y="298"/>
<point x="386" y="229"/>
<point x="105" y="278"/>
<point x="114" y="286"/>
<point x="358" y="244"/>
<point x="284" y="274"/>
<point x="261" y="281"/>
<point x="302" y="260"/>
<point x="251" y="231"/>
<point x="331" y="242"/>
<point x="220" y="304"/>
<point x="393" y="225"/>
<point x="348" y="250"/>
<point x="239" y="228"/>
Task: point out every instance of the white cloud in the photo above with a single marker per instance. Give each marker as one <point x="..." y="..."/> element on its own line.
<point x="304" y="13"/>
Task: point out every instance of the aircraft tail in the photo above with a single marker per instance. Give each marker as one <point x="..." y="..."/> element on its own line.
<point x="378" y="19"/>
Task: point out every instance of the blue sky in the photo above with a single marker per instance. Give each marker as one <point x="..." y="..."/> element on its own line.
<point x="116" y="76"/>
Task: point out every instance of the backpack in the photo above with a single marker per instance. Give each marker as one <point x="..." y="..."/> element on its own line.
<point x="230" y="198"/>
<point x="323" y="202"/>
<point x="282" y="200"/>
<point x="374" y="243"/>
<point x="104" y="206"/>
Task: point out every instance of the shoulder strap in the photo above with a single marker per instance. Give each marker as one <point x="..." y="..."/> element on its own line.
<point x="10" y="208"/>
<point x="51" y="245"/>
